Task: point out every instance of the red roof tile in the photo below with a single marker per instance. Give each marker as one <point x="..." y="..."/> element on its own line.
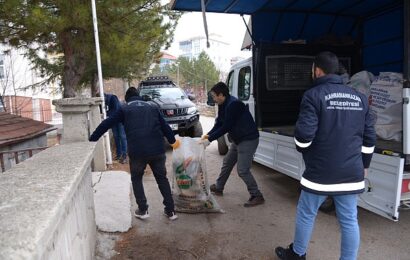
<point x="168" y="56"/>
<point x="14" y="129"/>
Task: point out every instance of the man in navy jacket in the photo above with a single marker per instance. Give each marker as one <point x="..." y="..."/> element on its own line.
<point x="145" y="129"/>
<point x="335" y="134"/>
<point x="235" y="119"/>
<point x="112" y="104"/>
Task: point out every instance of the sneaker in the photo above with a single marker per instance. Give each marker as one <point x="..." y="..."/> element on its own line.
<point x="288" y="253"/>
<point x="124" y="160"/>
<point x="170" y="214"/>
<point x="141" y="214"/>
<point x="254" y="201"/>
<point x="216" y="191"/>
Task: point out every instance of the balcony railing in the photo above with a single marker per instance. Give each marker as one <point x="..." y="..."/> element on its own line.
<point x="17" y="156"/>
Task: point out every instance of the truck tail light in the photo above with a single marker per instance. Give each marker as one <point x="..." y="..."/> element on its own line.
<point x="405" y="186"/>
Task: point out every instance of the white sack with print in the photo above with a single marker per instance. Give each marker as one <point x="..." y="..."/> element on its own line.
<point x="386" y="100"/>
<point x="190" y="182"/>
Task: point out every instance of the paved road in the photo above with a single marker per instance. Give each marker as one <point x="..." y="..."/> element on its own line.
<point x="252" y="233"/>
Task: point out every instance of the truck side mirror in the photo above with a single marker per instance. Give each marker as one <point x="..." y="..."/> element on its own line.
<point x="210" y="101"/>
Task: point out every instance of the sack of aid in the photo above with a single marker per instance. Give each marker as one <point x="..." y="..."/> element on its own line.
<point x="190" y="183"/>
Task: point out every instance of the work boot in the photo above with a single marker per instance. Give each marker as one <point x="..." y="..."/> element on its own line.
<point x="288" y="253"/>
<point x="254" y="201"/>
<point x="216" y="191"/>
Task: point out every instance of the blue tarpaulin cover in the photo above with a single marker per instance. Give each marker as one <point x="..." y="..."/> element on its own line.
<point x="274" y="21"/>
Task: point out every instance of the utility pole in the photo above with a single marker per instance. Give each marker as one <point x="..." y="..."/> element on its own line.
<point x="206" y="91"/>
<point x="177" y="74"/>
<point x="100" y="79"/>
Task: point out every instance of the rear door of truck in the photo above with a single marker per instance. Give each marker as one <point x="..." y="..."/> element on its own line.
<point x="383" y="186"/>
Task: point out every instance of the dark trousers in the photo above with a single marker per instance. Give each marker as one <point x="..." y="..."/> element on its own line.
<point x="157" y="164"/>
<point x="241" y="155"/>
<point x="120" y="140"/>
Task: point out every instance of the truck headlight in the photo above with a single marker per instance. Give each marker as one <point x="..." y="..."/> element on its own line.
<point x="192" y="110"/>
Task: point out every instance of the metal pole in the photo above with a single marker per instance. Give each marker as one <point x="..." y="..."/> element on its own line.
<point x="406" y="77"/>
<point x="206" y="91"/>
<point x="406" y="44"/>
<point x="203" y="7"/>
<point x="100" y="79"/>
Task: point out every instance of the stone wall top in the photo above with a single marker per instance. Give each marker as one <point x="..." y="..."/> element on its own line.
<point x="77" y="101"/>
<point x="31" y="194"/>
<point x="77" y="104"/>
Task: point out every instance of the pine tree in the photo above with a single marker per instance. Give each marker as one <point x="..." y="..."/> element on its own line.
<point x="198" y="72"/>
<point x="131" y="34"/>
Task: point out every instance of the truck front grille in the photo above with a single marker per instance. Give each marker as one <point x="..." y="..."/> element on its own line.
<point x="174" y="112"/>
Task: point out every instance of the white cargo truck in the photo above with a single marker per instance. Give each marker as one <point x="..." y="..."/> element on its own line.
<point x="366" y="35"/>
<point x="276" y="150"/>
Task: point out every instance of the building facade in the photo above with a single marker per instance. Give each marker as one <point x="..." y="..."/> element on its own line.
<point x="20" y="93"/>
<point x="219" y="51"/>
<point x="166" y="60"/>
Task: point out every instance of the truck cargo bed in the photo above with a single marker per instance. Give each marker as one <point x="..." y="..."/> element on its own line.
<point x="381" y="145"/>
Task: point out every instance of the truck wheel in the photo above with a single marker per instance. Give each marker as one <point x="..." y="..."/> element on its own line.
<point x="222" y="147"/>
<point x="196" y="130"/>
<point x="328" y="205"/>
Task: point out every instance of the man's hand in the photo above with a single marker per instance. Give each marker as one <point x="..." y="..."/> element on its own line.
<point x="92" y="138"/>
<point x="204" y="141"/>
<point x="176" y="145"/>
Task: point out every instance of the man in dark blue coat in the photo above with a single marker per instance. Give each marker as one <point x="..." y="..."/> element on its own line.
<point x="145" y="129"/>
<point x="112" y="104"/>
<point x="235" y="119"/>
<point x="335" y="134"/>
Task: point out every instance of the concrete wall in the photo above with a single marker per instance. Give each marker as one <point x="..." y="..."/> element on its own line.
<point x="47" y="207"/>
<point x="81" y="116"/>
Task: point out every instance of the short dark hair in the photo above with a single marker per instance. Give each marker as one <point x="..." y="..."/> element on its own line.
<point x="328" y="62"/>
<point x="131" y="92"/>
<point x="220" y="88"/>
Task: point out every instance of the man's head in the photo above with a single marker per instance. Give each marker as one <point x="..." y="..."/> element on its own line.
<point x="325" y="63"/>
<point x="219" y="92"/>
<point x="131" y="92"/>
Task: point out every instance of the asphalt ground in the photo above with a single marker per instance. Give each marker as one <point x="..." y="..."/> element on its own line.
<point x="250" y="233"/>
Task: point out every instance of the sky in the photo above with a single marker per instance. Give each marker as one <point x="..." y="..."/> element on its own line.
<point x="229" y="26"/>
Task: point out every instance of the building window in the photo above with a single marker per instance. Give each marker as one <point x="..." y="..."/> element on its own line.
<point x="196" y="46"/>
<point x="185" y="46"/>
<point x="1" y="66"/>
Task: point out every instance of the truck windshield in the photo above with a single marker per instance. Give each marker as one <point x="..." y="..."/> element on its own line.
<point x="161" y="92"/>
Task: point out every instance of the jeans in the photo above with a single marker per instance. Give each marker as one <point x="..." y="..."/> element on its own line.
<point x="346" y="211"/>
<point x="120" y="140"/>
<point x="157" y="164"/>
<point x="243" y="155"/>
